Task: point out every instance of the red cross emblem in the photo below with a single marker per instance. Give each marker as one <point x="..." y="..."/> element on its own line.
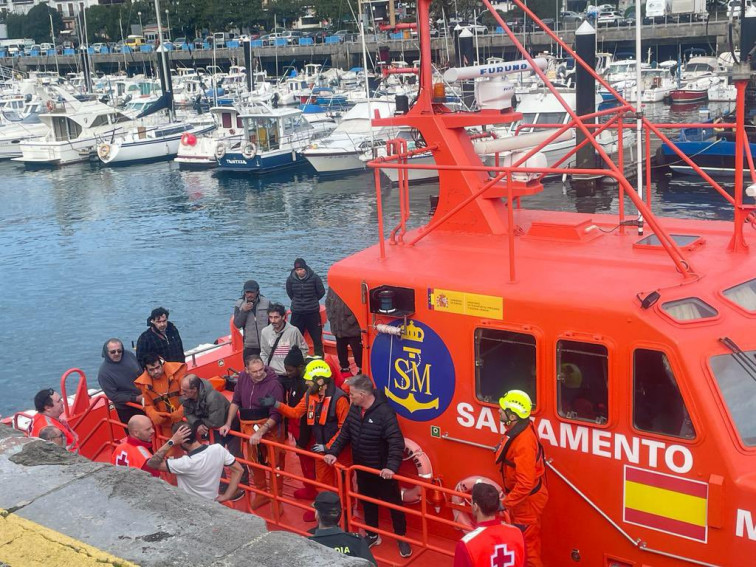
<point x="122" y="460"/>
<point x="502" y="557"/>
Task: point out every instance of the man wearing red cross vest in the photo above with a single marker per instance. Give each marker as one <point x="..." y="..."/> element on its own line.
<point x="523" y="470"/>
<point x="136" y="449"/>
<point x="492" y="543"/>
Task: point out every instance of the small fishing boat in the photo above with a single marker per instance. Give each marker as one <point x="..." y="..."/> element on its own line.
<point x="200" y="151"/>
<point x="272" y="139"/>
<point x="149" y="143"/>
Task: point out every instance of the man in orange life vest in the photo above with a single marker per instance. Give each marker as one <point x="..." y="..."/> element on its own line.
<point x="137" y="447"/>
<point x="491" y="542"/>
<point x="49" y="406"/>
<point x="160" y="384"/>
<point x="326" y="408"/>
<point x="523" y="469"/>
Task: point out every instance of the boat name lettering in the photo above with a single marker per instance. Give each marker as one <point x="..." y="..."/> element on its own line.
<point x="504" y="68"/>
<point x="237" y="161"/>
<point x="744" y="525"/>
<point x="598" y="442"/>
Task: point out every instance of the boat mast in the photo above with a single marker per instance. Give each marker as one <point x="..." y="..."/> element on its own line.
<point x="163" y="59"/>
<point x="638" y="109"/>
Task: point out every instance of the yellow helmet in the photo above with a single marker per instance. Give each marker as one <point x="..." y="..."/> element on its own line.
<point x="517" y="401"/>
<point x="317" y="368"/>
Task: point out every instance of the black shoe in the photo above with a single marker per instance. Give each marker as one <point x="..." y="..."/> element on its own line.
<point x="373" y="539"/>
<point x="238" y="495"/>
<point x="404" y="549"/>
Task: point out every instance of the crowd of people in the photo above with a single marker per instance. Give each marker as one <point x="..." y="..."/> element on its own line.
<point x="282" y="393"/>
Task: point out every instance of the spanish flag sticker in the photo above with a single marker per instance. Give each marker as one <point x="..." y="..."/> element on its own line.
<point x="666" y="503"/>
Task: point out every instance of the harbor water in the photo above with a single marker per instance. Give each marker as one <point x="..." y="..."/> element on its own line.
<point x="87" y="252"/>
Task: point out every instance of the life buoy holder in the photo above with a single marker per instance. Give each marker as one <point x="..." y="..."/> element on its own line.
<point x="232" y="131"/>
<point x="220" y="150"/>
<point x="413" y="452"/>
<point x="466" y="485"/>
<point x="103" y="150"/>
<point x="50" y="105"/>
<point x="249" y="150"/>
<point x="188" y="139"/>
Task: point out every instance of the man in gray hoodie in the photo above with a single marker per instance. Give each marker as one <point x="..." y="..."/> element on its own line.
<point x="117" y="373"/>
<point x="251" y="315"/>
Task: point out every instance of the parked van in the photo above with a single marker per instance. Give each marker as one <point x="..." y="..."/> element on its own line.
<point x="135" y="41"/>
<point x="220" y="39"/>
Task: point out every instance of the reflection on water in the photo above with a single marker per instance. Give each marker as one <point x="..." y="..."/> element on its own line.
<point x="88" y="252"/>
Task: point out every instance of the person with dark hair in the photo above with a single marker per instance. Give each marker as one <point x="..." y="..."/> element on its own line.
<point x="199" y="471"/>
<point x="136" y="449"/>
<point x="346" y="329"/>
<point x="49" y="406"/>
<point x="161" y="338"/>
<point x="53" y="435"/>
<point x="277" y="339"/>
<point x="492" y="542"/>
<point x="251" y="316"/>
<point x="117" y="373"/>
<point x="255" y="382"/>
<point x="305" y="289"/>
<point x="328" y="513"/>
<point x="160" y="384"/>
<point x="372" y="430"/>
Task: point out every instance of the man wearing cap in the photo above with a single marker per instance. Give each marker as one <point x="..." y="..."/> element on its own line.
<point x="251" y="316"/>
<point x="523" y="469"/>
<point x="492" y="542"/>
<point x="305" y="289"/>
<point x="325" y="408"/>
<point x="328" y="513"/>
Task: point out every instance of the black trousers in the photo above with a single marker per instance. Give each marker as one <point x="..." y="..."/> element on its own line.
<point x="381" y="489"/>
<point x="233" y="444"/>
<point x="249" y="351"/>
<point x="342" y="349"/>
<point x="125" y="413"/>
<point x="310" y="322"/>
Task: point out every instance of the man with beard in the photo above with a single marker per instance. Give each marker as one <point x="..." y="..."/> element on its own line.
<point x="117" y="373"/>
<point x="162" y="338"/>
<point x="305" y="289"/>
<point x="251" y="315"/>
<point x="160" y="384"/>
<point x="276" y="341"/>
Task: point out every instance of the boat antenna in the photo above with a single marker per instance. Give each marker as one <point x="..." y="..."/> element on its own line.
<point x="55" y="51"/>
<point x="367" y="83"/>
<point x="638" y="109"/>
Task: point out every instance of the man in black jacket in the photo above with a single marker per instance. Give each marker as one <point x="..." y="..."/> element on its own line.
<point x="377" y="442"/>
<point x="305" y="289"/>
<point x="162" y="338"/>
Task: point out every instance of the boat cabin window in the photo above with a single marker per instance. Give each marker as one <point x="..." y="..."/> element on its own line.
<point x="743" y="295"/>
<point x="65" y="129"/>
<point x="226" y="119"/>
<point x="689" y="309"/>
<point x="736" y="377"/>
<point x="101" y="120"/>
<point x="658" y="406"/>
<point x="504" y="360"/>
<point x="582" y="373"/>
<point x="263" y="132"/>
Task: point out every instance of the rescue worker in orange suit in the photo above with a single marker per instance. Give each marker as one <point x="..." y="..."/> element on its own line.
<point x="523" y="470"/>
<point x="325" y="407"/>
<point x="491" y="542"/>
<point x="136" y="449"/>
<point x="160" y="384"/>
<point x="49" y="406"/>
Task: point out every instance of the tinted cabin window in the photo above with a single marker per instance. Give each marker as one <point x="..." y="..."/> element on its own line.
<point x="658" y="406"/>
<point x="582" y="391"/>
<point x="226" y="119"/>
<point x="504" y="361"/>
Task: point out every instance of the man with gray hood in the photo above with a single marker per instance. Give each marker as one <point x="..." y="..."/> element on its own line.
<point x="118" y="371"/>
<point x="251" y="316"/>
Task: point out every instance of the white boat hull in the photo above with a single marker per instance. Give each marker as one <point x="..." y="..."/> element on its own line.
<point x="334" y="162"/>
<point x="36" y="152"/>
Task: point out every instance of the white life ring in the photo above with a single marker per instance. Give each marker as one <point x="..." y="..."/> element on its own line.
<point x="220" y="150"/>
<point x="249" y="150"/>
<point x="413" y="452"/>
<point x="103" y="150"/>
<point x="466" y="485"/>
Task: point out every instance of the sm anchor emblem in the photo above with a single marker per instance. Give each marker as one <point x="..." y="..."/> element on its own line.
<point x="414" y="371"/>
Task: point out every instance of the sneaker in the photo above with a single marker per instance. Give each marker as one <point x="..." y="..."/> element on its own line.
<point x="404" y="549"/>
<point x="373" y="539"/>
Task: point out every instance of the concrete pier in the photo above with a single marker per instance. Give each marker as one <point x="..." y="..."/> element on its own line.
<point x="54" y="503"/>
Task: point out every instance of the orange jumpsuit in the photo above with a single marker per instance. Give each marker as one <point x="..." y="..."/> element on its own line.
<point x="161" y="396"/>
<point x="323" y="472"/>
<point x="523" y="471"/>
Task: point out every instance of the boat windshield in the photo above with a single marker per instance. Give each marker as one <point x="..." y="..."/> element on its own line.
<point x="541" y="118"/>
<point x="736" y="376"/>
<point x="698" y="68"/>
